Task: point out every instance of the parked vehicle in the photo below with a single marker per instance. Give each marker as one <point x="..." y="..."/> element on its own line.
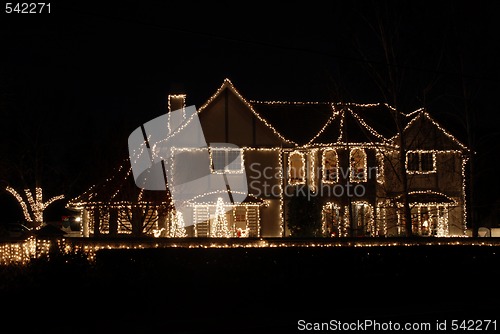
<point x="18" y="230"/>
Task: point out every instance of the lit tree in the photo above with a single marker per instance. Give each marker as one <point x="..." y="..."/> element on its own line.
<point x="31" y="168"/>
<point x="219" y="228"/>
<point x="32" y="204"/>
<point x="177" y="228"/>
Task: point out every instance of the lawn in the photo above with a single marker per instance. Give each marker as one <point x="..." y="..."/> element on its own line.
<point x="251" y="289"/>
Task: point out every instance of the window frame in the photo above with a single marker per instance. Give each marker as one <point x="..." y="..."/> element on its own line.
<point x="352" y="177"/>
<point x="324" y="179"/>
<point x="420" y="171"/>
<point x="302" y="172"/>
<point x="226" y="170"/>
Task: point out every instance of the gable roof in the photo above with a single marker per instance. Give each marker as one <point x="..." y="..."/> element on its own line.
<point x="359" y="124"/>
<point x="378" y="116"/>
<point x="120" y="189"/>
<point x="436" y="137"/>
<point x="296" y="120"/>
<point x="227" y="84"/>
<point x="326" y="123"/>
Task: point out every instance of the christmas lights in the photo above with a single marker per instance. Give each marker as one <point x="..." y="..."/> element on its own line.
<point x="296" y="168"/>
<point x="330" y="166"/>
<point x="436" y="222"/>
<point x="380" y="167"/>
<point x="229" y="85"/>
<point x="123" y="200"/>
<point x="417" y="162"/>
<point x="332" y="222"/>
<point x="366" y="126"/>
<point x="312" y="167"/>
<point x="21" y="202"/>
<point x="301" y="161"/>
<point x="281" y="202"/>
<point x="464" y="221"/>
<point x="183" y="107"/>
<point x="226" y="160"/>
<point x="381" y="218"/>
<point x="422" y="114"/>
<point x="363" y="217"/>
<point x="34" y="212"/>
<point x="177" y="228"/>
<point x="341" y="128"/>
<point x="219" y="228"/>
<point x="21" y="253"/>
<point x="358" y="165"/>
<point x="328" y="122"/>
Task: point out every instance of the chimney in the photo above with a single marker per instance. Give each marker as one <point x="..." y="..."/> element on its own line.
<point x="176" y="102"/>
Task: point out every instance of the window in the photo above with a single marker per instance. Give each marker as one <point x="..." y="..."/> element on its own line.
<point x="426" y="162"/>
<point x="240" y="214"/>
<point x="412" y="163"/>
<point x="420" y="162"/>
<point x="358" y="165"/>
<point x="330" y="166"/>
<point x="296" y="168"/>
<point x="227" y="160"/>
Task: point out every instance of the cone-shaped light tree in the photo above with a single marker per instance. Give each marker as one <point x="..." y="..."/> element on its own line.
<point x="219" y="228"/>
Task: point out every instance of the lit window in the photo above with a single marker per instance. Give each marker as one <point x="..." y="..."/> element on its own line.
<point x="227" y="160"/>
<point x="330" y="166"/>
<point x="358" y="165"/>
<point x="296" y="168"/>
<point x="420" y="162"/>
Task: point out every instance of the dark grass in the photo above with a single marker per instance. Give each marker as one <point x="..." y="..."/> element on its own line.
<point x="250" y="290"/>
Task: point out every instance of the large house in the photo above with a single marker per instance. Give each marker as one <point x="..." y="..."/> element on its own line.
<point x="353" y="157"/>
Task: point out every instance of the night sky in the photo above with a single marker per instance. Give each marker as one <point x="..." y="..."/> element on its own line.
<point x="74" y="83"/>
